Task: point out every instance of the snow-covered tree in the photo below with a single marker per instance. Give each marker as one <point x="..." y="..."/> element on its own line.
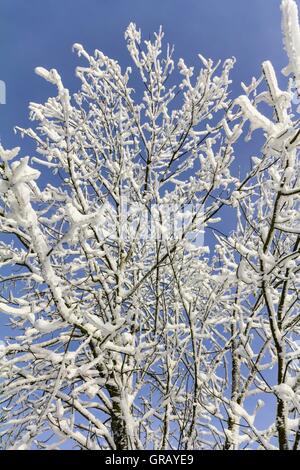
<point x="126" y="331"/>
<point x="261" y="258"/>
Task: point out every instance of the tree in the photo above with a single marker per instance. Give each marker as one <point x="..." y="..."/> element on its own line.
<point x="126" y="331"/>
<point x="262" y="256"/>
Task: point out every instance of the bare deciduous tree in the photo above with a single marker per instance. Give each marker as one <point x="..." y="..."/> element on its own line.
<point x="127" y="332"/>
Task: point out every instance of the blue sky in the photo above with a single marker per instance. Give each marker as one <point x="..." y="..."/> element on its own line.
<point x="41" y="33"/>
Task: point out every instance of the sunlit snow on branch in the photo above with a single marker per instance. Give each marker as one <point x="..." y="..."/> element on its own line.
<point x="126" y="330"/>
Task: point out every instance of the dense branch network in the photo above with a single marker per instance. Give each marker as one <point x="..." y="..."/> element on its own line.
<point x="126" y="330"/>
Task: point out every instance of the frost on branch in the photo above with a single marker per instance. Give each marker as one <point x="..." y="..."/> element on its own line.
<point x="127" y="332"/>
<point x="291" y="38"/>
<point x="263" y="253"/>
<point x="110" y="315"/>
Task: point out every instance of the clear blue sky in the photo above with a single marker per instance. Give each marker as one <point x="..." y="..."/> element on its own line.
<point x="41" y="33"/>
